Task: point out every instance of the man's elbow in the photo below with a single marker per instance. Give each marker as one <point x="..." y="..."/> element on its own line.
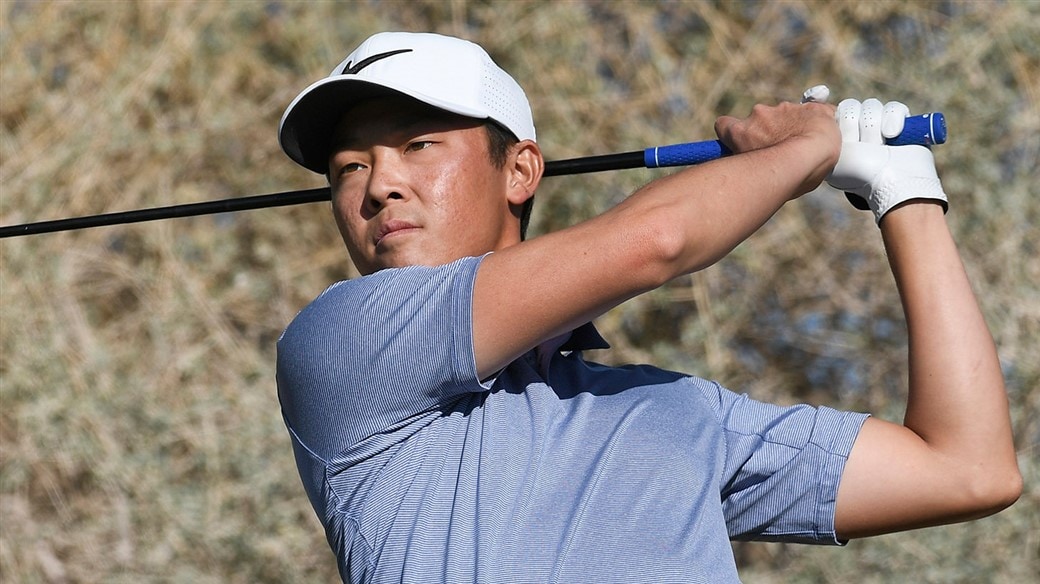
<point x="992" y="491"/>
<point x="1010" y="489"/>
<point x="667" y="248"/>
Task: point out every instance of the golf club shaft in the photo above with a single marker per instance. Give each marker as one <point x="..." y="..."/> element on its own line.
<point x="925" y="129"/>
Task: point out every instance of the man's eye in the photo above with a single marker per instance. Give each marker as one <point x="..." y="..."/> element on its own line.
<point x="419" y="145"/>
<point x="350" y="167"/>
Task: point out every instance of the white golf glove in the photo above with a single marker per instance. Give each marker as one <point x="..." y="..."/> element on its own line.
<point x="875" y="176"/>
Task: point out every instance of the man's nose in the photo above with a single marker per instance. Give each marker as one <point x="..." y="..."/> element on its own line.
<point x="386" y="182"/>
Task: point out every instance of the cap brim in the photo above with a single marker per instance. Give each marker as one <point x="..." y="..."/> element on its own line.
<point x="305" y="132"/>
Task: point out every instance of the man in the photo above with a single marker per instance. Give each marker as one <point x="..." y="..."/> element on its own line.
<point x="445" y="423"/>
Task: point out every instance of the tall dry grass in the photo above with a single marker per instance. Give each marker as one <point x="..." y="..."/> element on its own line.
<point x="140" y="436"/>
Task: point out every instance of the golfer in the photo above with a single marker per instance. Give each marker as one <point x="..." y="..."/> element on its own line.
<point x="447" y="423"/>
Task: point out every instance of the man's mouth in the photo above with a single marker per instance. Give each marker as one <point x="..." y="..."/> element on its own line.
<point x="393" y="228"/>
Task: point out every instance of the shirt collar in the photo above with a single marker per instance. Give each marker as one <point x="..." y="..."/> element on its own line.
<point x="584" y="337"/>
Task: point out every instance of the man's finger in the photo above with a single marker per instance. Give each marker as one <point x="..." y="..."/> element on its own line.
<point x="848" y="119"/>
<point x="870" y="122"/>
<point x="893" y="119"/>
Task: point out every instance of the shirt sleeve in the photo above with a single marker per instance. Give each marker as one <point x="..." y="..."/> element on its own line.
<point x="782" y="468"/>
<point x="373" y="353"/>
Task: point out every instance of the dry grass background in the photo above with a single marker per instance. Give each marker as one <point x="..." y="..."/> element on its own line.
<point x="140" y="436"/>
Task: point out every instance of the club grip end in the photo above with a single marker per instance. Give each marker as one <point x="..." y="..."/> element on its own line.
<point x="922" y="130"/>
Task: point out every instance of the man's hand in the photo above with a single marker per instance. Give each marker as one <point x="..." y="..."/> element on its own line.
<point x="810" y="126"/>
<point x="875" y="176"/>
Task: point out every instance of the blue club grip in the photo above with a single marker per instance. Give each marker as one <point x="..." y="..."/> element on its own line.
<point x="684" y="154"/>
<point x="922" y="130"/>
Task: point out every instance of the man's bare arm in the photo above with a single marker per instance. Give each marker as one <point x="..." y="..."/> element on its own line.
<point x="676" y="225"/>
<point x="953" y="458"/>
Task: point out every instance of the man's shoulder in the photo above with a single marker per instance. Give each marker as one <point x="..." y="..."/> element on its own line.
<point x="369" y="310"/>
<point x="374" y="351"/>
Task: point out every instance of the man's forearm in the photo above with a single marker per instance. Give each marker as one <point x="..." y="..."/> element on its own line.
<point x="957" y="401"/>
<point x="709" y="210"/>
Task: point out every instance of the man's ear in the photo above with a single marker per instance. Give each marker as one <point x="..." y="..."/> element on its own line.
<point x="525" y="171"/>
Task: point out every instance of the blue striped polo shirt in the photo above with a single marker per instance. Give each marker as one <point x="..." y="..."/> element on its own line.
<point x="557" y="469"/>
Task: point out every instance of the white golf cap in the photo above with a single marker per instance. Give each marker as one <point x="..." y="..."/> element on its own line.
<point x="446" y="72"/>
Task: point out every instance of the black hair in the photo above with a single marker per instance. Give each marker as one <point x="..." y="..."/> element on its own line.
<point x="500" y="140"/>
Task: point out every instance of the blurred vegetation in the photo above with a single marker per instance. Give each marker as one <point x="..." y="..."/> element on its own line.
<point x="140" y="434"/>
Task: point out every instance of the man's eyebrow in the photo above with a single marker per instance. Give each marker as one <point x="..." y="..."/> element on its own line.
<point x="403" y="122"/>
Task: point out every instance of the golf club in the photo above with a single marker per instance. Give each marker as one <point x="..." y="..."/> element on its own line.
<point x="924" y="129"/>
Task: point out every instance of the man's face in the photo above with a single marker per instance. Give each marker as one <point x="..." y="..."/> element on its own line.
<point x="414" y="185"/>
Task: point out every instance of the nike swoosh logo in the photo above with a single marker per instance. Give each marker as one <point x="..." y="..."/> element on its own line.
<point x="353" y="69"/>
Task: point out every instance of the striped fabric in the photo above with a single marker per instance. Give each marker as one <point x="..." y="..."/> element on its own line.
<point x="557" y="470"/>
